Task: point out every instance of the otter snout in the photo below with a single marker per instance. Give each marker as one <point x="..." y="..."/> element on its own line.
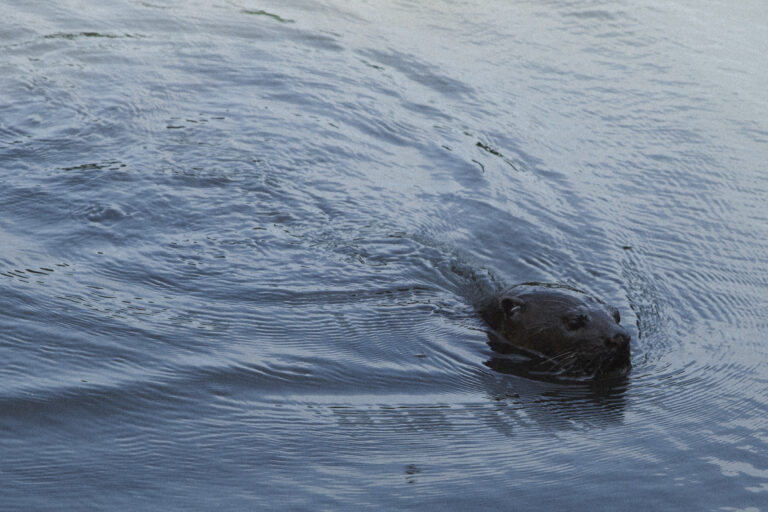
<point x="619" y="341"/>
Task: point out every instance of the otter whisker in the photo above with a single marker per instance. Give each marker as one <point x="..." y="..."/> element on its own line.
<point x="564" y="360"/>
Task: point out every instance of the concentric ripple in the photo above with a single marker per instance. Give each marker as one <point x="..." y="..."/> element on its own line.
<point x="241" y="246"/>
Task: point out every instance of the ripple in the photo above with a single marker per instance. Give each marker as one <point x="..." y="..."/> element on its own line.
<point x="241" y="248"/>
<point x="97" y="213"/>
<point x="62" y="35"/>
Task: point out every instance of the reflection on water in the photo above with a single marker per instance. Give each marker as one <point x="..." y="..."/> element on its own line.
<point x="240" y="246"/>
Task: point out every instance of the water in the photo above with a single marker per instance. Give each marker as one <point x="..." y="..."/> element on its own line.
<point x="241" y="242"/>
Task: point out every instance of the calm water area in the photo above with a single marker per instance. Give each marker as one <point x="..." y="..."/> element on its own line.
<point x="241" y="243"/>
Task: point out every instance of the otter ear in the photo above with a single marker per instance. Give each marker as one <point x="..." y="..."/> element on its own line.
<point x="510" y="306"/>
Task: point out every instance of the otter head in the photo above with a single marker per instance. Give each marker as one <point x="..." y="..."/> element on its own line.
<point x="578" y="335"/>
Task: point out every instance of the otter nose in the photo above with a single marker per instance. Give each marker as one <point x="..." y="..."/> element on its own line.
<point x="620" y="340"/>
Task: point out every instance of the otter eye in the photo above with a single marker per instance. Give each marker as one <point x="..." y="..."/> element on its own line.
<point x="576" y="322"/>
<point x="616" y="316"/>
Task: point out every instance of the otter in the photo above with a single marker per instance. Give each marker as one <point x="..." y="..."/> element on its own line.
<point x="572" y="333"/>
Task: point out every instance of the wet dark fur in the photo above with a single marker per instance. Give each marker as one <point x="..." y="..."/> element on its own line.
<point x="574" y="333"/>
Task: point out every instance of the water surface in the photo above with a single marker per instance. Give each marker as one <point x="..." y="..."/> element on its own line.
<point x="240" y="244"/>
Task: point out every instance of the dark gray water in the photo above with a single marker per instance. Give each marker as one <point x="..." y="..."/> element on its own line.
<point x="240" y="242"/>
